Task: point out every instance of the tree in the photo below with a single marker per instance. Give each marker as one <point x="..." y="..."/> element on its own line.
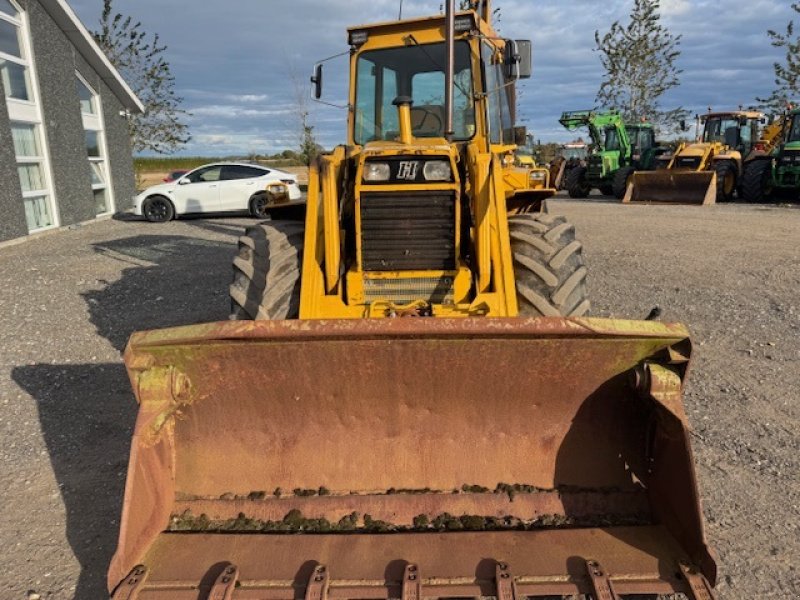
<point x="787" y="75"/>
<point x="308" y="147"/>
<point x="140" y="60"/>
<point x="640" y="63"/>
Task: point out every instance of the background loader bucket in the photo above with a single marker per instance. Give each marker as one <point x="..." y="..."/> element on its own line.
<point x="447" y="444"/>
<point x="672" y="187"/>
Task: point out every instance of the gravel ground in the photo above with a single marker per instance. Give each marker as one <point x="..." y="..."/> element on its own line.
<point x="69" y="301"/>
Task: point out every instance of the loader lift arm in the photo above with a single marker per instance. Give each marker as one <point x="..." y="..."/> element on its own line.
<point x="597" y="123"/>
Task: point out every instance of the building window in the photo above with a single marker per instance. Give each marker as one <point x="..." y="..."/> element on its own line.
<point x="91" y="111"/>
<point x="13" y="58"/>
<point x="30" y="148"/>
<point x="31" y="169"/>
<point x="87" y="97"/>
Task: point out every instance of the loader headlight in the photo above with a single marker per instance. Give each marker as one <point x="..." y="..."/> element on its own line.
<point x="537" y="176"/>
<point x="377" y="172"/>
<point x="437" y="170"/>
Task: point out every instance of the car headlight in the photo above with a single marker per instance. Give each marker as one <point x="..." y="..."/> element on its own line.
<point x="376" y="171"/>
<point x="437" y="170"/>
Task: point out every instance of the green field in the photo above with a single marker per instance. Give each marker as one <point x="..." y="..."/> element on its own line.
<point x="166" y="164"/>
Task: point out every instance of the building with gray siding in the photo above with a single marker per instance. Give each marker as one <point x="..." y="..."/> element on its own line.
<point x="65" y="152"/>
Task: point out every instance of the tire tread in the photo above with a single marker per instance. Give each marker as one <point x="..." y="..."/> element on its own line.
<point x="549" y="266"/>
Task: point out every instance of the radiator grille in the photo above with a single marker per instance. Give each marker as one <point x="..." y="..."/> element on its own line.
<point x="404" y="291"/>
<point x="408" y="231"/>
<point x="595" y="167"/>
<point x="688" y="162"/>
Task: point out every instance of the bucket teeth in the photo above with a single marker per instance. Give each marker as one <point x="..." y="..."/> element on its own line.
<point x="225" y="583"/>
<point x="602" y="589"/>
<point x="131" y="586"/>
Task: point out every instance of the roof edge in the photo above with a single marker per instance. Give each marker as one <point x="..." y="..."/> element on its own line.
<point x="83" y="41"/>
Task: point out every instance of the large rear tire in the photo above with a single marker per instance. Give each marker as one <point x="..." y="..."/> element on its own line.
<point x="266" y="272"/>
<point x="621" y="180"/>
<point x="726" y="180"/>
<point x="548" y="267"/>
<point x="756" y="186"/>
<point x="576" y="183"/>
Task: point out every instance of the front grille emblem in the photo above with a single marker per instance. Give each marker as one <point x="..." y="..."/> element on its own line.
<point x="408" y="170"/>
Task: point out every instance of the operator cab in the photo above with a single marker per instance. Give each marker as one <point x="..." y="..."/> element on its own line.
<point x="794" y="130"/>
<point x="642" y="138"/>
<point x="738" y="131"/>
<point x="416" y="72"/>
<point x="406" y="64"/>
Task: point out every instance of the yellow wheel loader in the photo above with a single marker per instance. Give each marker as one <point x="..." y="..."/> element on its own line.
<point x="537" y="178"/>
<point x="410" y="403"/>
<point x="705" y="172"/>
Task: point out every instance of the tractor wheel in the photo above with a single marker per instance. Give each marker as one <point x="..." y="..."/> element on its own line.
<point x="756" y="184"/>
<point x="548" y="266"/>
<point x="726" y="180"/>
<point x="622" y="178"/>
<point x="576" y="183"/>
<point x="266" y="272"/>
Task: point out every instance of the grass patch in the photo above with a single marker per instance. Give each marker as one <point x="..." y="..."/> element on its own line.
<point x="167" y="164"/>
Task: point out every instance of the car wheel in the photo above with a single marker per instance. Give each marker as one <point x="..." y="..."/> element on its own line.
<point x="158" y="209"/>
<point x="259" y="206"/>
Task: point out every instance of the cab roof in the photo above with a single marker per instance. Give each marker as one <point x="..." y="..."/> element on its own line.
<point x="748" y="114"/>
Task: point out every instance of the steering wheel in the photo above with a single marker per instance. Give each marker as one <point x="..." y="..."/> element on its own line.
<point x="429" y="113"/>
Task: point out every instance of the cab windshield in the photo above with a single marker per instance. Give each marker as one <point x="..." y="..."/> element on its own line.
<point x="794" y="132"/>
<point x="612" y="141"/>
<point x="641" y="138"/>
<point x="419" y="73"/>
<point x="724" y="130"/>
<point x="574" y="153"/>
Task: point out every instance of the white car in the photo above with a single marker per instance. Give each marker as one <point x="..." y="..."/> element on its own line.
<point x="220" y="187"/>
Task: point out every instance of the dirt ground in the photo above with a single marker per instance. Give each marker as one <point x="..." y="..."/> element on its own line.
<point x="69" y="301"/>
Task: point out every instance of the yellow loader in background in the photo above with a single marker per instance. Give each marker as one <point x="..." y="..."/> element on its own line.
<point x="411" y="403"/>
<point x="705" y="172"/>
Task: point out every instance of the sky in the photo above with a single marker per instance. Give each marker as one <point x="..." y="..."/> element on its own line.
<point x="237" y="63"/>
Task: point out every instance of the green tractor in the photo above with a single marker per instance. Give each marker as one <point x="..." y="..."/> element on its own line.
<point x="619" y="151"/>
<point x="774" y="167"/>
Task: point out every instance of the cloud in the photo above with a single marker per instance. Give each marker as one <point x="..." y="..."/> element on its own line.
<point x="671" y="8"/>
<point x="233" y="111"/>
<point x="238" y="68"/>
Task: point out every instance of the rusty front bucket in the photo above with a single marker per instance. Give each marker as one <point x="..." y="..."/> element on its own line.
<point x="469" y="453"/>
<point x="672" y="187"/>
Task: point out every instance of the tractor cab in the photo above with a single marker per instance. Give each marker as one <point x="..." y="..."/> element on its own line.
<point x="793" y="135"/>
<point x="644" y="147"/>
<point x="736" y="130"/>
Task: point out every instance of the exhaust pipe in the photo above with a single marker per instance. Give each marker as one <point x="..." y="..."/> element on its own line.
<point x="451" y="67"/>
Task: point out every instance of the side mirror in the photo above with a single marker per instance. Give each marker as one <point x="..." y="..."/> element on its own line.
<point x="519" y="59"/>
<point x="317" y="81"/>
<point x="520" y="136"/>
<point x="183" y="181"/>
